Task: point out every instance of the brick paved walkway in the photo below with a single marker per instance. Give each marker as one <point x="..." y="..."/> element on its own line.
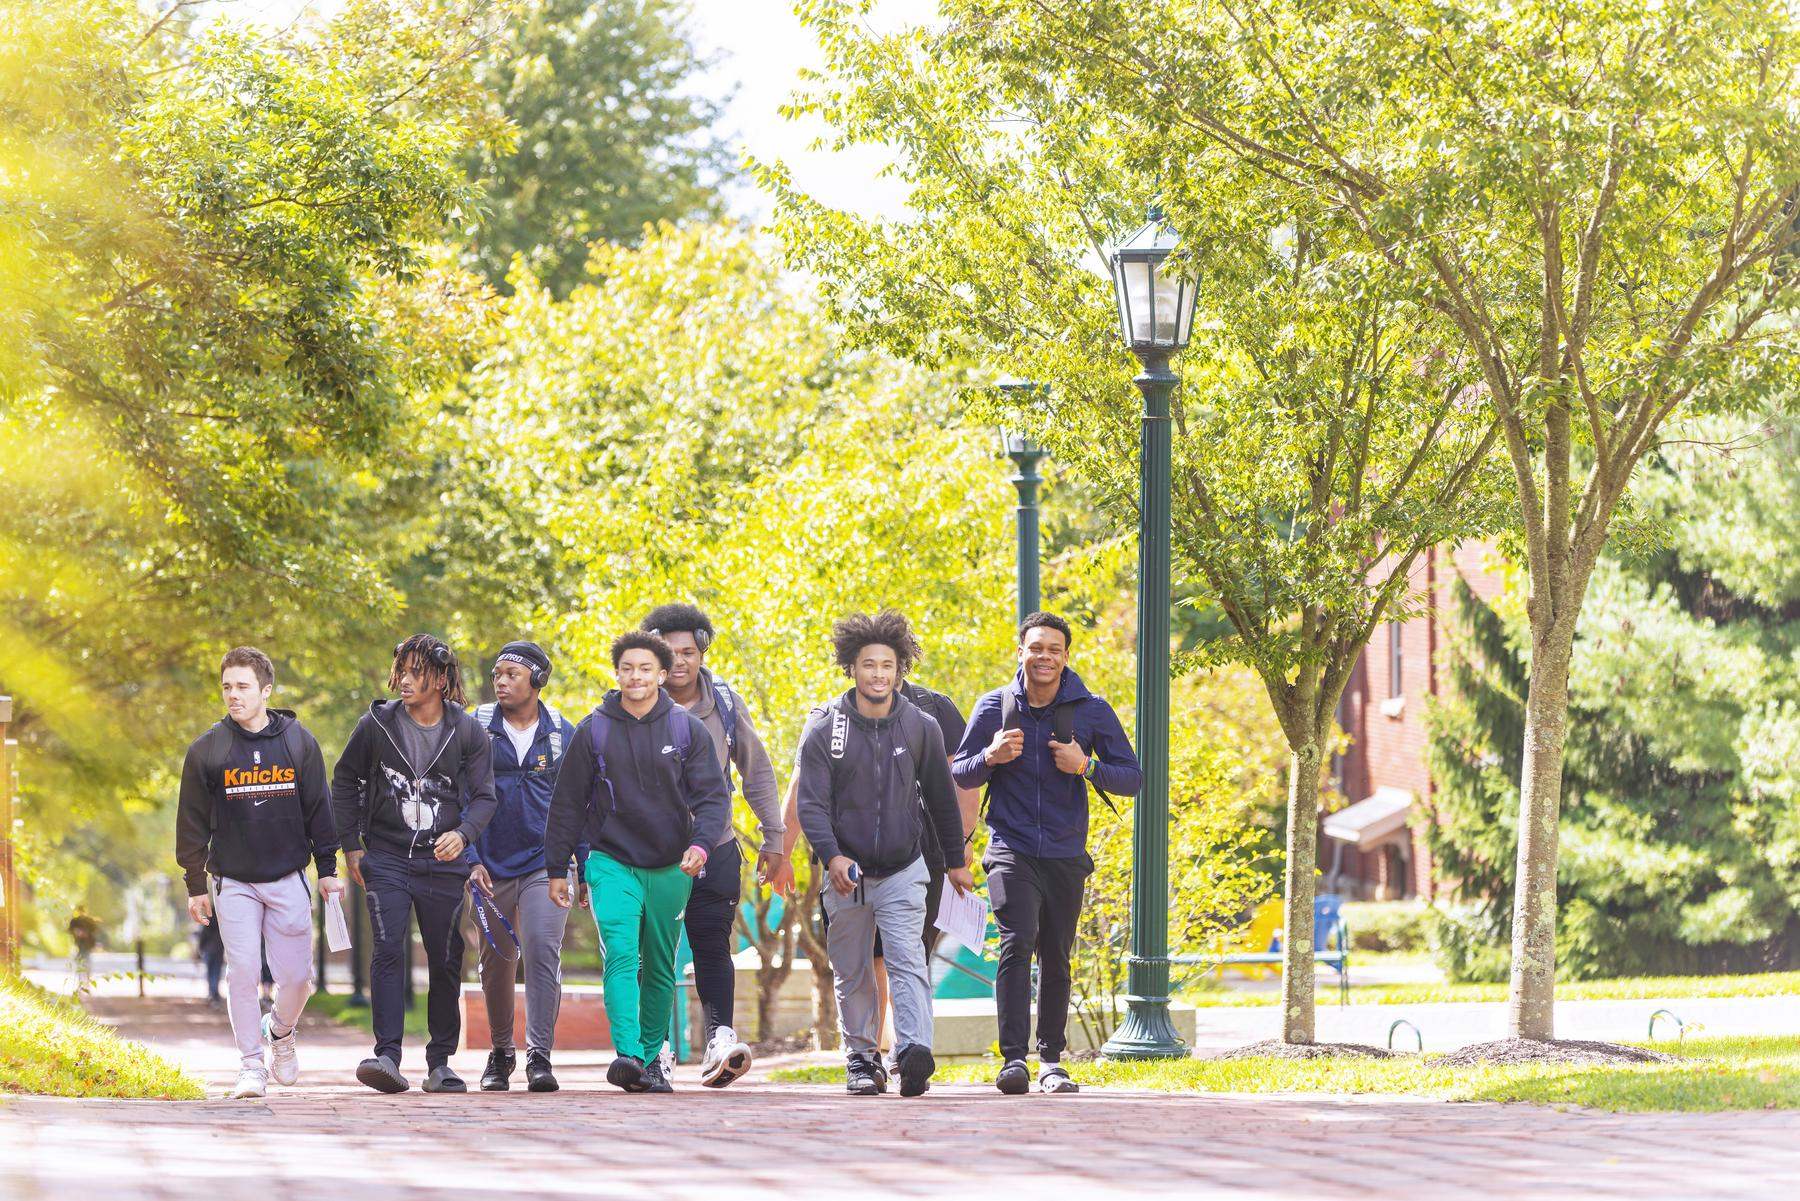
<point x="333" y="1140"/>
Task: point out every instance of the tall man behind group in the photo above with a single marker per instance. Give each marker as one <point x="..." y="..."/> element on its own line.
<point x="712" y="908"/>
<point x="1037" y="743"/>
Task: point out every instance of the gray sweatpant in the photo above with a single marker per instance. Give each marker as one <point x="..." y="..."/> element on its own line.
<point x="895" y="905"/>
<point x="257" y="920"/>
<point x="525" y="900"/>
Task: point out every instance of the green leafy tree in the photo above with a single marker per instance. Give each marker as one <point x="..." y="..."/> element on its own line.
<point x="1587" y="204"/>
<point x="611" y="136"/>
<point x="1679" y="840"/>
<point x="210" y="247"/>
<point x="1322" y="439"/>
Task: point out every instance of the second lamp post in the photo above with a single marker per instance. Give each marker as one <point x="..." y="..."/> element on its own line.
<point x="1026" y="455"/>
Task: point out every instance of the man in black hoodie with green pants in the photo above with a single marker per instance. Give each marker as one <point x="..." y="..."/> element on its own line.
<point x="253" y="813"/>
<point x="641" y="785"/>
<point x="413" y="788"/>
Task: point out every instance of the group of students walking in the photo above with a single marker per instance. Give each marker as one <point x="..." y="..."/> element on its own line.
<point x="509" y="809"/>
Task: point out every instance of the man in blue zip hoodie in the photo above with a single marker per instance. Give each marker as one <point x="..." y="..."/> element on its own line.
<point x="413" y="788"/>
<point x="1037" y="862"/>
<point x="507" y="866"/>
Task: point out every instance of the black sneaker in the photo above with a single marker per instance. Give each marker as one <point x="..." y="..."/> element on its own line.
<point x="497" y="1076"/>
<point x="655" y="1079"/>
<point x="863" y="1077"/>
<point x="626" y="1072"/>
<point x="538" y="1076"/>
<point x="380" y="1074"/>
<point x="881" y="1074"/>
<point x="916" y="1067"/>
<point x="443" y="1079"/>
<point x="1014" y="1079"/>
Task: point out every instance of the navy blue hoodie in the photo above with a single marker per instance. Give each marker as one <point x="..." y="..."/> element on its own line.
<point x="513" y="843"/>
<point x="1034" y="807"/>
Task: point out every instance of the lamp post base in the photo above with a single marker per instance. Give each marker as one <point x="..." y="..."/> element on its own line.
<point x="1146" y="1033"/>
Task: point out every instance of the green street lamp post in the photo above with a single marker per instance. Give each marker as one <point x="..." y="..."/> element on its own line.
<point x="1025" y="454"/>
<point x="1156" y="315"/>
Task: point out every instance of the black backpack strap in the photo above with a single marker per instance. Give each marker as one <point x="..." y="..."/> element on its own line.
<point x="595" y="738"/>
<point x="1009" y="720"/>
<point x="1063" y="725"/>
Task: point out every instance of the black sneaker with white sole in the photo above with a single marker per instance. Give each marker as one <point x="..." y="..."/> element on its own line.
<point x="864" y="1077"/>
<point x="656" y="1077"/>
<point x="380" y="1074"/>
<point x="916" y="1066"/>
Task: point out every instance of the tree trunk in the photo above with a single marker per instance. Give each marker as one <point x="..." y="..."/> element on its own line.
<point x="1532" y="996"/>
<point x="1297" y="919"/>
<point x="824" y="1008"/>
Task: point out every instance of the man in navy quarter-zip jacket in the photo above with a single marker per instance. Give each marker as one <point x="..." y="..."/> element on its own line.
<point x="1037" y="743"/>
<point x="413" y="788"/>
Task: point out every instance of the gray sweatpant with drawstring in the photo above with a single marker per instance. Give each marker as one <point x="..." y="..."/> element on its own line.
<point x="895" y="905"/>
<point x="525" y="900"/>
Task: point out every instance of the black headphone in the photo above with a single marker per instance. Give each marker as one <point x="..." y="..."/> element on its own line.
<point x="702" y="638"/>
<point x="438" y="654"/>
<point x="539" y="676"/>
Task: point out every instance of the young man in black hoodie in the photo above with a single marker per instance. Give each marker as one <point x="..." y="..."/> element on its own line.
<point x="253" y="812"/>
<point x="864" y="767"/>
<point x="413" y="788"/>
<point x="641" y="786"/>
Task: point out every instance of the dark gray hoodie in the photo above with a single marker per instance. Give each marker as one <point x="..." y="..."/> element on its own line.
<point x="862" y="780"/>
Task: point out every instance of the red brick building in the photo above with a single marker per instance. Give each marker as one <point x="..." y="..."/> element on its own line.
<point x="1368" y="849"/>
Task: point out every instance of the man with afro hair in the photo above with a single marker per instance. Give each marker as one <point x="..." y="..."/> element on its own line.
<point x="865" y="763"/>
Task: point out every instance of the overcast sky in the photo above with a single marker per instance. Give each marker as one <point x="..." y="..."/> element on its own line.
<point x="761" y="48"/>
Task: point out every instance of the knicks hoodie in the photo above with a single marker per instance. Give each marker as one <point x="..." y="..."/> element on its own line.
<point x="254" y="806"/>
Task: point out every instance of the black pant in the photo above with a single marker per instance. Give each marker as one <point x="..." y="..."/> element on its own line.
<point x="1037" y="904"/>
<point x="934" y="896"/>
<point x="711" y="914"/>
<point x="397" y="888"/>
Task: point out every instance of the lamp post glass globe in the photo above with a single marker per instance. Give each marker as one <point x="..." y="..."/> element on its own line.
<point x="1156" y="306"/>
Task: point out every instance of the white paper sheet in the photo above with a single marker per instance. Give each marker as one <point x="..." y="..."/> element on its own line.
<point x="964" y="917"/>
<point x="337" y="930"/>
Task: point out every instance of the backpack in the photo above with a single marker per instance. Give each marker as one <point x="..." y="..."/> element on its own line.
<point x="912" y="722"/>
<point x="728" y="717"/>
<point x="1062" y="729"/>
<point x="485" y="715"/>
<point x="678" y="734"/>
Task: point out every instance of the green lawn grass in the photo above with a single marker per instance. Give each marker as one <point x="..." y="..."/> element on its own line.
<point x="1630" y="988"/>
<point x="49" y="1046"/>
<point x="1722" y="1074"/>
<point x="337" y="1007"/>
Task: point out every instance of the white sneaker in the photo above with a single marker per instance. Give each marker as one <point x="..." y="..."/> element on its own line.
<point x="666" y="1058"/>
<point x="284" y="1063"/>
<point x="726" y="1059"/>
<point x="252" y="1082"/>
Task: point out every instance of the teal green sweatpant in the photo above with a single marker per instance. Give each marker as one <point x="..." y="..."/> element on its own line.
<point x="638" y="913"/>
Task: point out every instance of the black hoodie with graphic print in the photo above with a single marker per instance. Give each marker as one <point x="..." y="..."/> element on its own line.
<point x="658" y="803"/>
<point x="253" y="804"/>
<point x="383" y="804"/>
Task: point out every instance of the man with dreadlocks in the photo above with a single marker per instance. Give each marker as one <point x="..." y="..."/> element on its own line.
<point x="865" y="764"/>
<point x="413" y="788"/>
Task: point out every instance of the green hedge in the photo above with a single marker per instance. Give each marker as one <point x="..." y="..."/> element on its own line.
<point x="1388" y="925"/>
